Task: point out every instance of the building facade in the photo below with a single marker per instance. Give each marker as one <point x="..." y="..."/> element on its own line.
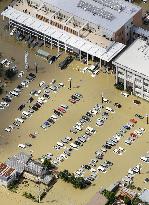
<point x="131" y="68"/>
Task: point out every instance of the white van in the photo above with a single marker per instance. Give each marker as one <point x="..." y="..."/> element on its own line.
<point x="23" y="146"/>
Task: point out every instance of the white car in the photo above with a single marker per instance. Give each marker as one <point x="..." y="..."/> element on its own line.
<point x="145" y="159"/>
<point x="14" y="93"/>
<point x="7" y="129"/>
<point x="26" y="113"/>
<point x="102" y="169"/>
<point x="4" y="61"/>
<point x="19" y="120"/>
<point x="23" y="146"/>
<point x="73" y="145"/>
<point x="77" y="127"/>
<point x="12" y="32"/>
<point x="60" y="144"/>
<point x="41" y="83"/>
<point x="109" y="109"/>
<point x="125" y="94"/>
<point x="5" y="104"/>
<point x="1" y="107"/>
<point x="21" y="74"/>
<point x="37" y="93"/>
<point x="91" y="130"/>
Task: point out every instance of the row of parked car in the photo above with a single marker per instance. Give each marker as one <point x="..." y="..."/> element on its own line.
<point x="128" y="179"/>
<point x="26" y="114"/>
<point x="57" y="113"/>
<point x="134" y="135"/>
<point x="75" y="98"/>
<point x="116" y="138"/>
<point x="31" y="41"/>
<point x="86" y="118"/>
<point x="16" y="91"/>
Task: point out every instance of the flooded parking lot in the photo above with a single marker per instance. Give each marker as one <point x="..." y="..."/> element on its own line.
<point x="91" y="89"/>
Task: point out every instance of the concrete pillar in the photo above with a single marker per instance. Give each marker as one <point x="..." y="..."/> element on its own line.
<point x="133" y="88"/>
<point x="116" y="74"/>
<point x="65" y="48"/>
<point x="51" y="43"/>
<point x="80" y="55"/>
<point x="9" y="24"/>
<point x="92" y="58"/>
<point x="125" y="79"/>
<point x="3" y="17"/>
<point x="58" y="45"/>
<point x="87" y="58"/>
<point x="100" y="63"/>
<point x="142" y="89"/>
<point x="44" y="40"/>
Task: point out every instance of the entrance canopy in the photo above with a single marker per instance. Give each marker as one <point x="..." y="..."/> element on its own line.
<point x="63" y="36"/>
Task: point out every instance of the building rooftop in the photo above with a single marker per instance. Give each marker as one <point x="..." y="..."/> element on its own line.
<point x="145" y="196"/>
<point x="6" y="171"/>
<point x="106" y="54"/>
<point x="108" y="14"/>
<point x="18" y="161"/>
<point x="135" y="57"/>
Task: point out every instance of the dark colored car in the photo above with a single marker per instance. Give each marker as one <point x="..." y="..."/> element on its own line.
<point x="21" y="107"/>
<point x="32" y="75"/>
<point x="52" y="59"/>
<point x="64" y="63"/>
<point x="6" y="99"/>
<point x="30" y="41"/>
<point x="58" y="113"/>
<point x="137" y="102"/>
<point x="27" y="37"/>
<point x="40" y="43"/>
<point x="33" y="44"/>
<point x="51" y="120"/>
<point x="117" y="105"/>
<point x="86" y="118"/>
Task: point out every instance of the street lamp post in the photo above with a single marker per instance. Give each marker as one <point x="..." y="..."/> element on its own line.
<point x="102" y="97"/>
<point x="147" y="121"/>
<point x="36" y="67"/>
<point x="70" y="80"/>
<point x="38" y="182"/>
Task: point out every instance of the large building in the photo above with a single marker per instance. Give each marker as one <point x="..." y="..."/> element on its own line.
<point x="97" y="29"/>
<point x="132" y="68"/>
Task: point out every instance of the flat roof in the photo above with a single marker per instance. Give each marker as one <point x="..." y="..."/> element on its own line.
<point x="69" y="39"/>
<point x="5" y="171"/>
<point x="119" y="17"/>
<point x="135" y="57"/>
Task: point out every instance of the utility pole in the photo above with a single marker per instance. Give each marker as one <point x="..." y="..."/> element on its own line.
<point x="26" y="60"/>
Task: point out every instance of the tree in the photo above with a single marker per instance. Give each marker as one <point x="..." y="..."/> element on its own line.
<point x="47" y="164"/>
<point x="10" y="73"/>
<point x="127" y="200"/>
<point x="1" y="90"/>
<point x="110" y="196"/>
